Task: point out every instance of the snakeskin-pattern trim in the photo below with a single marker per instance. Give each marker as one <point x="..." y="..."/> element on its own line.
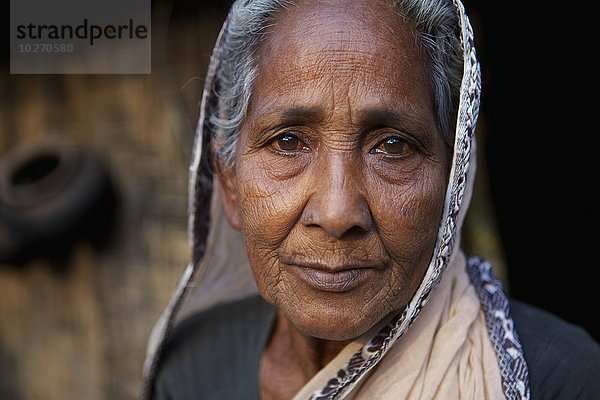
<point x="513" y="368"/>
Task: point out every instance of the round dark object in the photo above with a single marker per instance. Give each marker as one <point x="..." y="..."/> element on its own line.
<point x="52" y="195"/>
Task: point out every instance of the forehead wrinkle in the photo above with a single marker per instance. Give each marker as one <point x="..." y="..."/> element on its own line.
<point x="305" y="60"/>
<point x="353" y="70"/>
<point x="337" y="68"/>
<point x="339" y="62"/>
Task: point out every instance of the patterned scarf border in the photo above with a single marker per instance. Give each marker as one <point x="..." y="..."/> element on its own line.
<point x="513" y="368"/>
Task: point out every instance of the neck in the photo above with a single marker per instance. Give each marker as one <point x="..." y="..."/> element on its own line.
<point x="292" y="358"/>
<point x="309" y="353"/>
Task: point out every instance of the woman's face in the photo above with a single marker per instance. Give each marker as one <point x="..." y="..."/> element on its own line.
<point x="341" y="169"/>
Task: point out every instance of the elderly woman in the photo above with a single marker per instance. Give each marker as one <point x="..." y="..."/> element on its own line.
<point x="332" y="170"/>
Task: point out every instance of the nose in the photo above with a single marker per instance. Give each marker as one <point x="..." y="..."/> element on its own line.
<point x="337" y="205"/>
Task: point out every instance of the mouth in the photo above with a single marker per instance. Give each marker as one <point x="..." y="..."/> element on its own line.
<point x="335" y="280"/>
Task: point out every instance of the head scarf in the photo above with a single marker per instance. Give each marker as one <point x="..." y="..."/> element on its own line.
<point x="220" y="271"/>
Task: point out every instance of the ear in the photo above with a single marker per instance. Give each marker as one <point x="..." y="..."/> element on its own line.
<point x="228" y="193"/>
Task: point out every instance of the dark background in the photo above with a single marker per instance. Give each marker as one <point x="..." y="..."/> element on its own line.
<point x="539" y="103"/>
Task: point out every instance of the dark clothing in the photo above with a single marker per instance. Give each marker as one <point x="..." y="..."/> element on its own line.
<point x="216" y="355"/>
<point x="563" y="359"/>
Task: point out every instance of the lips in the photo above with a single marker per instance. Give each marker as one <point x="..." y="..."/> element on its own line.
<point x="337" y="281"/>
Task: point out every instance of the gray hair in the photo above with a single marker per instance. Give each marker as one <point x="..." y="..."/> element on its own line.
<point x="437" y="25"/>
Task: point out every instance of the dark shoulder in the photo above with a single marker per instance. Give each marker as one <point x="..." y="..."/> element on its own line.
<point x="563" y="359"/>
<point x="216" y="354"/>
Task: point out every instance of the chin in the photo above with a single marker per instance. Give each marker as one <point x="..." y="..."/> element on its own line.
<point x="336" y="336"/>
<point x="330" y="333"/>
<point x="329" y="323"/>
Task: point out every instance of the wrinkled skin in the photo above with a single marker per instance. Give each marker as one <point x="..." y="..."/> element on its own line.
<point x="340" y="174"/>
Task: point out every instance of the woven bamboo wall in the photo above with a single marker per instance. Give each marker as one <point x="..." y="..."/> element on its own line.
<point x="77" y="328"/>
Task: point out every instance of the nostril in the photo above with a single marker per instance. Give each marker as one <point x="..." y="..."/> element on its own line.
<point x="339" y="214"/>
<point x="338" y="226"/>
<point x="354" y="231"/>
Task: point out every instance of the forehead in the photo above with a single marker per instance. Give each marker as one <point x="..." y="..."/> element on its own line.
<point x="365" y="51"/>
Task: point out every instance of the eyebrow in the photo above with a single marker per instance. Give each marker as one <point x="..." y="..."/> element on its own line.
<point x="298" y="115"/>
<point x="283" y="116"/>
<point x="397" y="118"/>
<point x="372" y="117"/>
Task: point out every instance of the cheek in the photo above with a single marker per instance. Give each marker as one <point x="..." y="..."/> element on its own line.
<point x="407" y="217"/>
<point x="269" y="208"/>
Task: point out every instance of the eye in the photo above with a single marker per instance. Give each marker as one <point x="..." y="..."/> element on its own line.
<point x="288" y="142"/>
<point x="394" y="146"/>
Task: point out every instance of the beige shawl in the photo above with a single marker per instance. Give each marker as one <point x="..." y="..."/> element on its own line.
<point x="447" y="353"/>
